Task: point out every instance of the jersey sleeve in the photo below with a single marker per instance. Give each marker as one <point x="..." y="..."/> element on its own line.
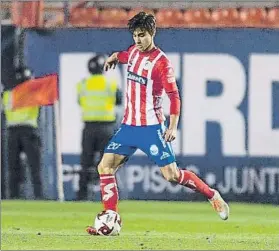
<point x="123" y="56"/>
<point x="165" y="75"/>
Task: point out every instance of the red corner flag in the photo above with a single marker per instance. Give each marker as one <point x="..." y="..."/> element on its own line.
<point x="36" y="92"/>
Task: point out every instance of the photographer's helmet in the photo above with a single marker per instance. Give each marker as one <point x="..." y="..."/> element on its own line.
<point x="23" y="74"/>
<point x="96" y="64"/>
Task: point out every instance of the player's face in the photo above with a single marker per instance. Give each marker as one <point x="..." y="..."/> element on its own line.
<point x="143" y="40"/>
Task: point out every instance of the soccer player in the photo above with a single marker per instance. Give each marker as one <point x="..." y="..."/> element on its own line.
<point x="143" y="127"/>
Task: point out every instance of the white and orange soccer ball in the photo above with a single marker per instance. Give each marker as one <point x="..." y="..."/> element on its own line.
<point x="108" y="223"/>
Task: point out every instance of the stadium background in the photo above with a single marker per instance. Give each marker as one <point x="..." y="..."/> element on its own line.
<point x="235" y="149"/>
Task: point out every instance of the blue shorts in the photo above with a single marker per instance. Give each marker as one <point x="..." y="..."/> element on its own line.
<point x="149" y="139"/>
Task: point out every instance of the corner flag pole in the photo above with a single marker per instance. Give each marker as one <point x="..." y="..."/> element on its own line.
<point x="59" y="169"/>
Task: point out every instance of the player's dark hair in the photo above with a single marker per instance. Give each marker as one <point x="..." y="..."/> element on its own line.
<point x="143" y="21"/>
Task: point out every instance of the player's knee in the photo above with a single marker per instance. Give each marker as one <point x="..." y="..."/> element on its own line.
<point x="107" y="165"/>
<point x="105" y="169"/>
<point x="170" y="172"/>
<point x="170" y="177"/>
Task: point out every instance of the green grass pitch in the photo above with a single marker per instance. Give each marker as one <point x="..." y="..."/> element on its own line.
<point x="147" y="225"/>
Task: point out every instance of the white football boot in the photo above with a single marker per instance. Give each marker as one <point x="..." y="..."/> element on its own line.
<point x="219" y="205"/>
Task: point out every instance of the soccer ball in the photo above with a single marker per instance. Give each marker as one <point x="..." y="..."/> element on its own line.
<point x="108" y="222"/>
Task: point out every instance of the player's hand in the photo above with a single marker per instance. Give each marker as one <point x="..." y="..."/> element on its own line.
<point x="111" y="62"/>
<point x="170" y="134"/>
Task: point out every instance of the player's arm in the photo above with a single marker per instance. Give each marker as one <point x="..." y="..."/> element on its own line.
<point x="171" y="132"/>
<point x="117" y="57"/>
<point x="170" y="87"/>
<point x="111" y="61"/>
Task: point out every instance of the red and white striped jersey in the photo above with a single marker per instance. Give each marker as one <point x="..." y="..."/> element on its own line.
<point x="149" y="74"/>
